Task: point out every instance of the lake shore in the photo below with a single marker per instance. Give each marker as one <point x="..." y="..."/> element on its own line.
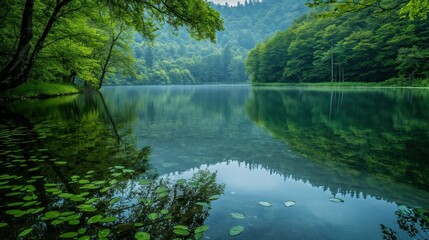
<point x="34" y="89"/>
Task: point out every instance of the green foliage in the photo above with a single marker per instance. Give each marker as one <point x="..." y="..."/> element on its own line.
<point x="351" y="47"/>
<point x="87" y="39"/>
<point x="408" y="8"/>
<point x="203" y="61"/>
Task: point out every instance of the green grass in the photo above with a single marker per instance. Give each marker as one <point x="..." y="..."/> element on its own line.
<point x="34" y="89"/>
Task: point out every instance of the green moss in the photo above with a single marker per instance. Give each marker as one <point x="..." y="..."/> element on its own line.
<point x="35" y="89"/>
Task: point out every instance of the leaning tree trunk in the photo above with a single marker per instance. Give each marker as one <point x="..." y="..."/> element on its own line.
<point x="12" y="74"/>
<point x="17" y="71"/>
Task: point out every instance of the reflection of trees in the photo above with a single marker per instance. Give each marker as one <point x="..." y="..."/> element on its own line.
<point x="413" y="221"/>
<point x="372" y="135"/>
<point x="67" y="160"/>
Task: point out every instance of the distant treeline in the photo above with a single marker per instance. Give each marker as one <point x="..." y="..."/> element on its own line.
<point x="182" y="60"/>
<point x="363" y="46"/>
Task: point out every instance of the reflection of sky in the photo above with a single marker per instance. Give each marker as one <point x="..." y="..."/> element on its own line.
<point x="230" y="2"/>
<point x="313" y="216"/>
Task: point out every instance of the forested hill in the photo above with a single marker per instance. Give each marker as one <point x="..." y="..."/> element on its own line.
<point x="363" y="46"/>
<point x="182" y="60"/>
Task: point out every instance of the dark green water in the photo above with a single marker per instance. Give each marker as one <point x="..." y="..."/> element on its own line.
<point x="354" y="162"/>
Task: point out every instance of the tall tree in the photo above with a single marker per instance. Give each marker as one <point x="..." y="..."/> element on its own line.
<point x="146" y="17"/>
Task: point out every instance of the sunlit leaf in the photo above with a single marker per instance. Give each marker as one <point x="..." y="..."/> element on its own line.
<point x="265" y="204"/>
<point x="289" y="203"/>
<point x="238" y="216"/>
<point x="236" y="230"/>
<point x="3" y="224"/>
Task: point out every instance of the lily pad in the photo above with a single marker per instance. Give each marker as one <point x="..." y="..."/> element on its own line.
<point x="236" y="230"/>
<point x="153" y="216"/>
<point x="69" y="235"/>
<point x="182" y="232"/>
<point x="142" y="236"/>
<point x="336" y="200"/>
<point x="103" y="233"/>
<point x="289" y="203"/>
<point x="3" y="224"/>
<point x="25" y="232"/>
<point x="265" y="204"/>
<point x="214" y="197"/>
<point x="238" y="216"/>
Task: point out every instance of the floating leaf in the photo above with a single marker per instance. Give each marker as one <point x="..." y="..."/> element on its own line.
<point x="236" y="230"/>
<point x="144" y="182"/>
<point x="142" y="236"/>
<point x="336" y="200"/>
<point x="289" y="203"/>
<point x="73" y="222"/>
<point x="265" y="204"/>
<point x="161" y="190"/>
<point x="181" y="227"/>
<point x="52" y="214"/>
<point x="238" y="216"/>
<point x="15" y="204"/>
<point x="181" y="181"/>
<point x="119" y="167"/>
<point x="153" y="216"/>
<point x="139" y="224"/>
<point x="115" y="200"/>
<point x="81" y="231"/>
<point x="107" y="219"/>
<point x="182" y="232"/>
<point x="202" y="229"/>
<point x="25" y="232"/>
<point x="404" y="210"/>
<point x="203" y="204"/>
<point x="214" y="197"/>
<point x="3" y="224"/>
<point x="164" y="211"/>
<point x="86" y="237"/>
<point x="57" y="222"/>
<point x="69" y="235"/>
<point x="103" y="233"/>
<point x="94" y="219"/>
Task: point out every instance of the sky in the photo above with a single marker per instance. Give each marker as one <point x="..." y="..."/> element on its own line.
<point x="230" y="2"/>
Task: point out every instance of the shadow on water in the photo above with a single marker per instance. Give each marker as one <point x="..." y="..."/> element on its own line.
<point x="70" y="168"/>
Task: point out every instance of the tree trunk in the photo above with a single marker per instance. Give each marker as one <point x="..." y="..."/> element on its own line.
<point x="12" y="74"/>
<point x="17" y="71"/>
<point x="39" y="45"/>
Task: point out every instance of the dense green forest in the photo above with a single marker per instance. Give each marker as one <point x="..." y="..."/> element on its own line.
<point x="65" y="39"/>
<point x="183" y="60"/>
<point x="365" y="45"/>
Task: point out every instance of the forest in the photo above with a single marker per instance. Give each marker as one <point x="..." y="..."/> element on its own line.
<point x="361" y="45"/>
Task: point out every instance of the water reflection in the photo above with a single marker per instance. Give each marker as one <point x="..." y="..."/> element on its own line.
<point x="326" y="144"/>
<point x="70" y="170"/>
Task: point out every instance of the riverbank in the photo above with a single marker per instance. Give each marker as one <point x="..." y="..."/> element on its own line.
<point x="34" y="89"/>
<point x="397" y="82"/>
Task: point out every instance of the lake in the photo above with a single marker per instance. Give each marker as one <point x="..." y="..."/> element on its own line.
<point x="217" y="162"/>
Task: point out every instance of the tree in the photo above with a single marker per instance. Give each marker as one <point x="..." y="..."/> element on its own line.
<point x="146" y="17"/>
<point x="408" y="8"/>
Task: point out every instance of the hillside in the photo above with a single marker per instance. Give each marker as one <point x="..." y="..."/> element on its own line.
<point x="182" y="60"/>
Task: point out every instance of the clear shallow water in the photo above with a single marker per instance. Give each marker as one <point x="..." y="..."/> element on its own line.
<point x="366" y="147"/>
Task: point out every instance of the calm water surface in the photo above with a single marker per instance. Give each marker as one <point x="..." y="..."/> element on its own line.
<point x="354" y="162"/>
